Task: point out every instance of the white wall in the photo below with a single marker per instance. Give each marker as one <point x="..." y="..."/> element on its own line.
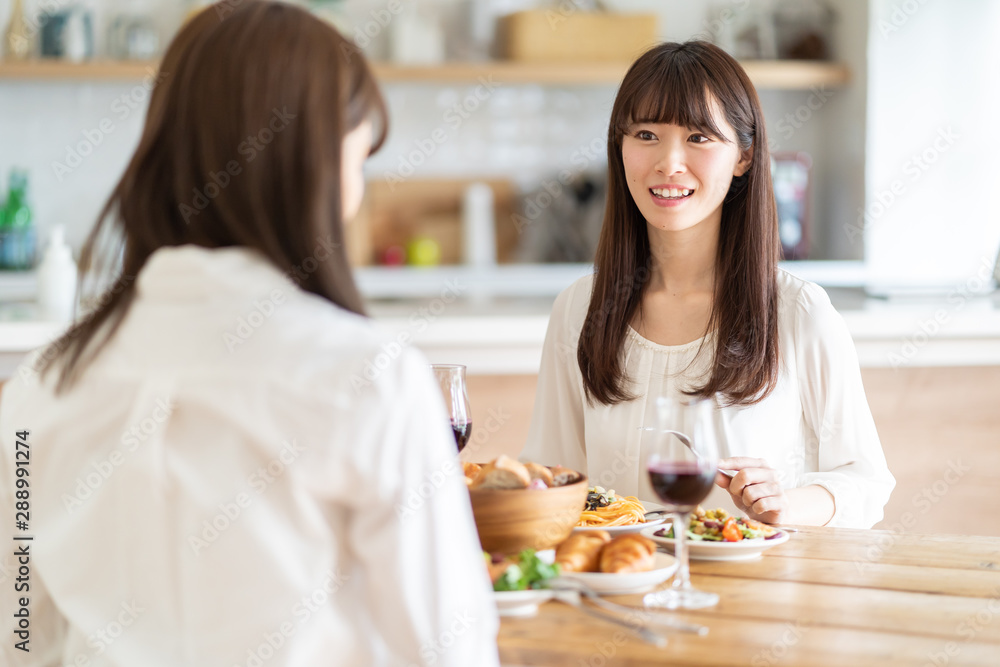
<point x="933" y="102"/>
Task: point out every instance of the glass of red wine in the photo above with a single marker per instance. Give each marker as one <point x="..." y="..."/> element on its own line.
<point x="682" y="460"/>
<point x="451" y="379"/>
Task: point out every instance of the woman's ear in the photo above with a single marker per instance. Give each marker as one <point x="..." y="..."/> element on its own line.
<point x="744" y="164"/>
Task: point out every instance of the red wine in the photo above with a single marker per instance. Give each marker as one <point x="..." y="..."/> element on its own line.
<point x="681" y="484"/>
<point x="462" y="434"/>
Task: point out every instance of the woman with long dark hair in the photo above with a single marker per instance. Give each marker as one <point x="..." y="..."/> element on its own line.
<point x="229" y="465"/>
<point x="687" y="299"/>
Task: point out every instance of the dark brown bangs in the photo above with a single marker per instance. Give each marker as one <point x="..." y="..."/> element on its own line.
<point x="687" y="101"/>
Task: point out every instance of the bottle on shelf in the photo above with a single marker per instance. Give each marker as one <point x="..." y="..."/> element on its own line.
<point x="57" y="278"/>
<point x="17" y="233"/>
<point x="479" y="245"/>
<point x="17" y="38"/>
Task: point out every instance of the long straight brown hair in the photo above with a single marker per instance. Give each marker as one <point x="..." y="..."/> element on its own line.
<point x="677" y="83"/>
<point x="241" y="147"/>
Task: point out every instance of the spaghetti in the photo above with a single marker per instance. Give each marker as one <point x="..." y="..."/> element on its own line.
<point x="625" y="511"/>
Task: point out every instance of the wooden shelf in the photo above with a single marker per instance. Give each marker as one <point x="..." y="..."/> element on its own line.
<point x="766" y="74"/>
<point x="97" y="70"/>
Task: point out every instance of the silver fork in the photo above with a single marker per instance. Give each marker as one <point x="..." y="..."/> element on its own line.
<point x="571" y="597"/>
<point x="686" y="441"/>
<point x="653" y="616"/>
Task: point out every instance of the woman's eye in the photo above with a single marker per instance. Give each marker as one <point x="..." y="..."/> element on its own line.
<point x="699" y="138"/>
<point x="645" y="135"/>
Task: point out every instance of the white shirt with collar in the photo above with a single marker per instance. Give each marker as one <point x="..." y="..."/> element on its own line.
<point x="814" y="428"/>
<point x="245" y="475"/>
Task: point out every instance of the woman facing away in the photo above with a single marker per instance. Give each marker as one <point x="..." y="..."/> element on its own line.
<point x="687" y="299"/>
<point x="214" y="479"/>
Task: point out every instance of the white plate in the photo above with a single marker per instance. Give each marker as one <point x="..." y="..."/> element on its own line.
<point x="742" y="550"/>
<point x="664" y="565"/>
<point x="634" y="528"/>
<point x="521" y="603"/>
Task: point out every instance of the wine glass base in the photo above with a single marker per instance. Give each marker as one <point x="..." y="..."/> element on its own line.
<point x="681" y="599"/>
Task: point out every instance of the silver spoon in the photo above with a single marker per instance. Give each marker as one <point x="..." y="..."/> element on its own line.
<point x="686" y="441"/>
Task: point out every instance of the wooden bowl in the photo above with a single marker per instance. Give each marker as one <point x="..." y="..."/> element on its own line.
<point x="509" y="520"/>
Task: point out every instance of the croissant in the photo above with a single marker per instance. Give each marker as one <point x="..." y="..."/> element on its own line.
<point x="581" y="552"/>
<point x="628" y="553"/>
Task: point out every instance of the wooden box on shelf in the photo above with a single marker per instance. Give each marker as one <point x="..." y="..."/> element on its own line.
<point x="394" y="214"/>
<point x="551" y="35"/>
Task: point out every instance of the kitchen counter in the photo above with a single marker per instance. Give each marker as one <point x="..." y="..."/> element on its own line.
<point x="493" y="335"/>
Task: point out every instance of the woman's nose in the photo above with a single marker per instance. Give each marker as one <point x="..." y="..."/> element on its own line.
<point x="671" y="159"/>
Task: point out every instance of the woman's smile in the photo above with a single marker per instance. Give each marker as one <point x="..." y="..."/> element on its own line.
<point x="671" y="195"/>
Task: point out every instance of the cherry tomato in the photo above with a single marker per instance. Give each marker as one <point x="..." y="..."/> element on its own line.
<point x="731" y="531"/>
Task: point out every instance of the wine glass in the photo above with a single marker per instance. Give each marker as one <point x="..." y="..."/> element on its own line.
<point x="451" y="379"/>
<point x="682" y="475"/>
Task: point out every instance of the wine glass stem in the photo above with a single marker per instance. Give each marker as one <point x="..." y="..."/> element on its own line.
<point x="682" y="579"/>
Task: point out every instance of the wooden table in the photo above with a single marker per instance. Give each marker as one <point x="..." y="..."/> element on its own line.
<point x="828" y="596"/>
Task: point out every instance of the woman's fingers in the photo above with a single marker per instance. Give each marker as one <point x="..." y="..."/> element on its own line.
<point x="754" y="493"/>
<point x="722" y="481"/>
<point x="741" y="462"/>
<point x="749" y="477"/>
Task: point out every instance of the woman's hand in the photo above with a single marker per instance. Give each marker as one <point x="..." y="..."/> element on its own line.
<point x="755" y="488"/>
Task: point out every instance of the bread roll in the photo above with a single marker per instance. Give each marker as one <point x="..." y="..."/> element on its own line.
<point x="538" y="471"/>
<point x="628" y="553"/>
<point x="581" y="552"/>
<point x="503" y="473"/>
<point x="563" y="476"/>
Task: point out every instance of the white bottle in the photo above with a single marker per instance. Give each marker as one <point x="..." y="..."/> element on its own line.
<point x="479" y="227"/>
<point x="57" y="280"/>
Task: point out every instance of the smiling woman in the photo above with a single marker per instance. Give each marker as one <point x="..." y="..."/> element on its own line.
<point x="687" y="300"/>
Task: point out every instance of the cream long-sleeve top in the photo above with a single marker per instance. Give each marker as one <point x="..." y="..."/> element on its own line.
<point x="245" y="475"/>
<point x="814" y="428"/>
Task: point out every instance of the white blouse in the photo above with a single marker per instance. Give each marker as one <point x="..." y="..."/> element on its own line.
<point x="814" y="428"/>
<point x="246" y="475"/>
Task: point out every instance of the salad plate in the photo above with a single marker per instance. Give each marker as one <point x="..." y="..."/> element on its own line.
<point x="517" y="597"/>
<point x="746" y="549"/>
<point x="521" y="603"/>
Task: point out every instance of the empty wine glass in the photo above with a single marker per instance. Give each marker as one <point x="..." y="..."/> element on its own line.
<point x="682" y="476"/>
<point x="451" y="378"/>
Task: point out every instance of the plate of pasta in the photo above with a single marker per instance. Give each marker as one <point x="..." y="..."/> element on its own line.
<point x="606" y="510"/>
